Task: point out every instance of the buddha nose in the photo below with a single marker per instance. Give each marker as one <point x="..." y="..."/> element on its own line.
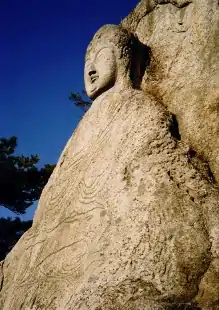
<point x="92" y="72"/>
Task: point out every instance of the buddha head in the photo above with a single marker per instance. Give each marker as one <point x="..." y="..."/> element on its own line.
<point x="108" y="60"/>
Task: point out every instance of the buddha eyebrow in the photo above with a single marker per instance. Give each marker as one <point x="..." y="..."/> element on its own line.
<point x="103" y="48"/>
<point x="100" y="52"/>
<point x="88" y="58"/>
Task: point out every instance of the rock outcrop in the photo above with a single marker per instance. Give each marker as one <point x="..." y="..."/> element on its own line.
<point x="130" y="216"/>
<point x="184" y="72"/>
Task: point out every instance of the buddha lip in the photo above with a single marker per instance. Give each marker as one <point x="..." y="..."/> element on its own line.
<point x="94" y="78"/>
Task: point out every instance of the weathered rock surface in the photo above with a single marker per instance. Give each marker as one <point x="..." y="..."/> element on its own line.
<point x="184" y="72"/>
<point x="124" y="222"/>
<point x="130" y="217"/>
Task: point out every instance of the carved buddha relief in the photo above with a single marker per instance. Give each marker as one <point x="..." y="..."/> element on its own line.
<point x="109" y="68"/>
<point x="129" y="223"/>
<point x="100" y="71"/>
<point x="108" y="61"/>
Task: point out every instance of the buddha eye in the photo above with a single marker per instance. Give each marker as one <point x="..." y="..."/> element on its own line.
<point x="103" y="52"/>
<point x="100" y="55"/>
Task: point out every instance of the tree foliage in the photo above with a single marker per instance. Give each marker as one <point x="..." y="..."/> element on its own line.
<point x="21" y="182"/>
<point x="10" y="232"/>
<point x="81" y="101"/>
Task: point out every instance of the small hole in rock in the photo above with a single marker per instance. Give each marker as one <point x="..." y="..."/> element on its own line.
<point x="174" y="128"/>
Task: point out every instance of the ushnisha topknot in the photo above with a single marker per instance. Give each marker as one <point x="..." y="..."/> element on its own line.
<point x="116" y="35"/>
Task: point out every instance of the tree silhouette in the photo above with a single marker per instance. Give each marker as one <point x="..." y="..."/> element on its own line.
<point x="21" y="182"/>
<point x="10" y="232"/>
<point x="82" y="101"/>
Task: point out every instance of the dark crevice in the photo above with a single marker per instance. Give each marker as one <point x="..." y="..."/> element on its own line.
<point x="201" y="164"/>
<point x="33" y="301"/>
<point x="140" y="61"/>
<point x="2" y="272"/>
<point x="211" y="176"/>
<point x="190" y="154"/>
<point x="174" y="2"/>
<point x="170" y="176"/>
<point x="174" y="128"/>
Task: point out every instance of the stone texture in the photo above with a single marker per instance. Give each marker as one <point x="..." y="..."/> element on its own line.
<point x="130" y="216"/>
<point x="184" y="73"/>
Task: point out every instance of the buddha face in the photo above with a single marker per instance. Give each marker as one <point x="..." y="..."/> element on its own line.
<point x="100" y="70"/>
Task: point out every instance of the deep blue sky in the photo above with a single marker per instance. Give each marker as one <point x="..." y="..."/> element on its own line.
<point x="43" y="43"/>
